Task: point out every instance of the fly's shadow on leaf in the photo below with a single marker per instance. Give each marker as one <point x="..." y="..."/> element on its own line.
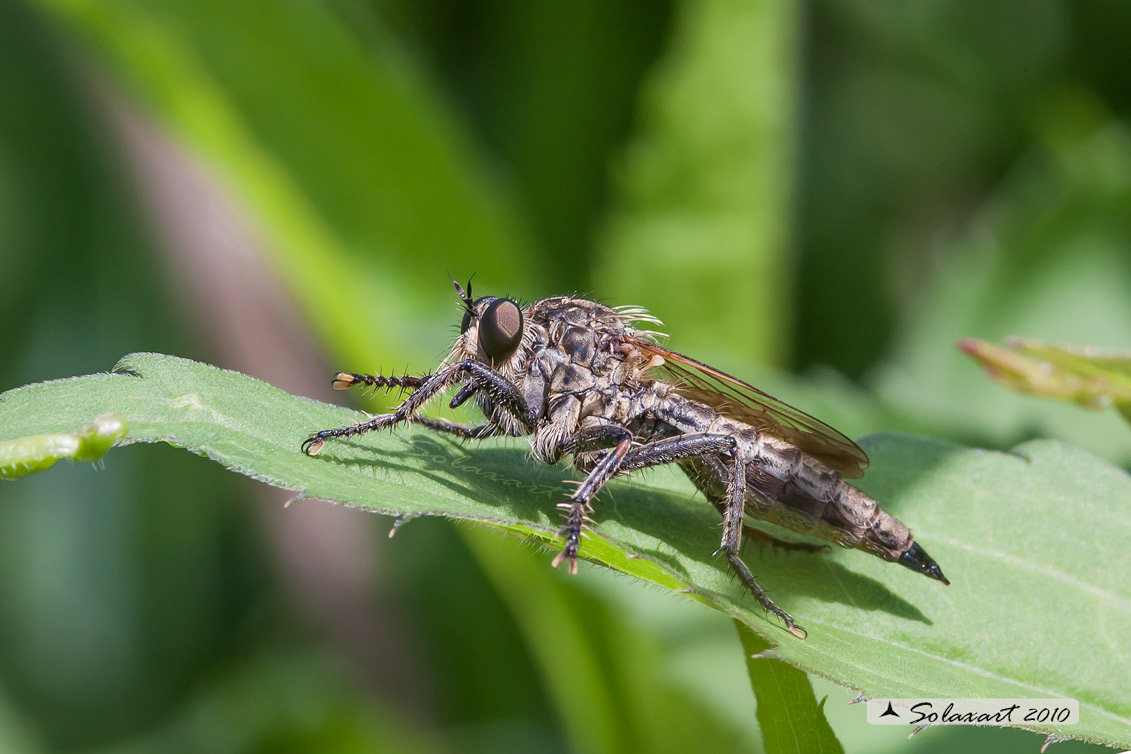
<point x="501" y="483"/>
<point x="509" y="487"/>
<point x="691" y="528"/>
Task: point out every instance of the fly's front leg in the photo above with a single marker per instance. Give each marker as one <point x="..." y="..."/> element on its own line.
<point x="590" y="438"/>
<point x="346" y="380"/>
<point x="682" y="447"/>
<point x="496" y="385"/>
<point x="464" y="431"/>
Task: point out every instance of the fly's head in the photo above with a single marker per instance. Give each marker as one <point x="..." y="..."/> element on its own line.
<point x="494" y="331"/>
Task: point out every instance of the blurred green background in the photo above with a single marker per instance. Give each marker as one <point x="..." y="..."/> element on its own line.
<point x="820" y="196"/>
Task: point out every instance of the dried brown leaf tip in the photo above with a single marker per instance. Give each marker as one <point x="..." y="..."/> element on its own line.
<point x="1091" y="377"/>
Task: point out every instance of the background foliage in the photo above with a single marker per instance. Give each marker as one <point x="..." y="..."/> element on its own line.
<point x="836" y="190"/>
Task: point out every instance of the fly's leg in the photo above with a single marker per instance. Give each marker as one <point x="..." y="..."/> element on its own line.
<point x="579" y="502"/>
<point x="765" y="538"/>
<point x="346" y="380"/>
<point x="732" y="542"/>
<point x="733" y="508"/>
<point x="477" y="432"/>
<point x="465" y="392"/>
<point x="465" y="431"/>
<point x="675" y="449"/>
<point x="501" y="390"/>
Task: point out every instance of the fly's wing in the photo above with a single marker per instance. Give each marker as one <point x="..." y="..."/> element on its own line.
<point x="738" y="400"/>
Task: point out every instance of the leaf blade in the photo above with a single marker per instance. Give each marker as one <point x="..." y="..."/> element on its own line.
<point x="1026" y="537"/>
<point x="1089" y="377"/>
<point x="791" y="718"/>
<point x="708" y="176"/>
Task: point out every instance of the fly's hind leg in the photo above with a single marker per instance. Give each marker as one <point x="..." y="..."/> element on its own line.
<point x="765" y="538"/>
<point x="733" y="508"/>
<point x="733" y="512"/>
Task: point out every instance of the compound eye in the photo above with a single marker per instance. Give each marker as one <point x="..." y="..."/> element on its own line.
<point x="500" y="329"/>
<point x="466" y="322"/>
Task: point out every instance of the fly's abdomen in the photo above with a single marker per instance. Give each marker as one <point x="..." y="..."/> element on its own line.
<point x="792" y="490"/>
<point x="806" y="496"/>
<point x="786" y="488"/>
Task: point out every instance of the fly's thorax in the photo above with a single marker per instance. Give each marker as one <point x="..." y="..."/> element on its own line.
<point x="583" y="352"/>
<point x="587" y="335"/>
<point x="584" y="372"/>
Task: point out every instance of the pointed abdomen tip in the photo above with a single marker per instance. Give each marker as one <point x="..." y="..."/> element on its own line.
<point x="917" y="559"/>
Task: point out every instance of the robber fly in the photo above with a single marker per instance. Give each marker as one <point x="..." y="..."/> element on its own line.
<point x="580" y="379"/>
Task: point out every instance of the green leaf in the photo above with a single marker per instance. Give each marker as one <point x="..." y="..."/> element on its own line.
<point x="1033" y="541"/>
<point x="1046" y="255"/>
<point x="1090" y="377"/>
<point x="27" y="455"/>
<point x="341" y="148"/>
<point x="791" y="718"/>
<point x="709" y="178"/>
